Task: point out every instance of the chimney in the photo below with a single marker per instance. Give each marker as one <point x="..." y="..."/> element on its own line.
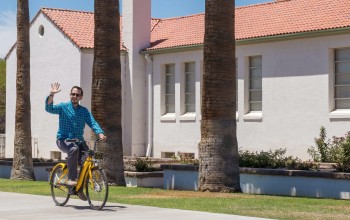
<point x="136" y="18"/>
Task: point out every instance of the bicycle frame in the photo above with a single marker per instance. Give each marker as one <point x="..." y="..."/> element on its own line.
<point x="91" y="177"/>
<point x="85" y="169"/>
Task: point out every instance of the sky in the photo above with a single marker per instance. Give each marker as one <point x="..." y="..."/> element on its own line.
<point x="159" y="9"/>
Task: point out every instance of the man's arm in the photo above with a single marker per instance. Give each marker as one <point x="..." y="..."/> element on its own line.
<point x="50" y="99"/>
<point x="91" y="122"/>
<point x="49" y="107"/>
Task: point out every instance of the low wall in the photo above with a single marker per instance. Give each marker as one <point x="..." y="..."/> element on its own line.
<point x="180" y="177"/>
<point x="301" y="183"/>
<point x="144" y="179"/>
<point x="132" y="179"/>
<point x="295" y="183"/>
<point x="40" y="169"/>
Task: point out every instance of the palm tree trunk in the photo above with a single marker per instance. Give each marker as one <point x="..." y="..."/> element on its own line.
<point x="106" y="87"/>
<point x="22" y="167"/>
<point x="218" y="151"/>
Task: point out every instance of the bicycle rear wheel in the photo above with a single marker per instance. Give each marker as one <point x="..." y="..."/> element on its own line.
<point x="97" y="188"/>
<point x="59" y="191"/>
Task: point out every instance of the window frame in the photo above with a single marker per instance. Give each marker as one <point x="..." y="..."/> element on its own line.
<point x="337" y="74"/>
<point x="250" y="89"/>
<point x="165" y="94"/>
<point x="185" y="86"/>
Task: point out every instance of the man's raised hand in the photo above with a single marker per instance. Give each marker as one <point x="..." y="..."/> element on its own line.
<point x="55" y="88"/>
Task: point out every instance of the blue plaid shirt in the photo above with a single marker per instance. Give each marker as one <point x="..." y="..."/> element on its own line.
<point x="72" y="120"/>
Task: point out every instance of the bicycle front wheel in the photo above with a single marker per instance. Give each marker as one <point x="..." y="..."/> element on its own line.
<point x="59" y="191"/>
<point x="97" y="188"/>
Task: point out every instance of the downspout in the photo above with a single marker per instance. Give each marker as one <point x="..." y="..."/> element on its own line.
<point x="150" y="105"/>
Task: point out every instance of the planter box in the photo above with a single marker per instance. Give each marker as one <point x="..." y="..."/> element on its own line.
<point x="144" y="179"/>
<point x="180" y="176"/>
<point x="300" y="183"/>
<point x="295" y="183"/>
<point x="42" y="173"/>
<point x="40" y="169"/>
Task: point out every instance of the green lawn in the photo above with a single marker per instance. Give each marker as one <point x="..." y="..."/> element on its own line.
<point x="277" y="207"/>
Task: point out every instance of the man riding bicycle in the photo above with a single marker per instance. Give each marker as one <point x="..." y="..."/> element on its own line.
<point x="72" y="120"/>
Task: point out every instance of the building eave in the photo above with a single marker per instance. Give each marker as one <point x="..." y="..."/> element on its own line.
<point x="293" y="36"/>
<point x="91" y="50"/>
<point x="256" y="40"/>
<point x="173" y="49"/>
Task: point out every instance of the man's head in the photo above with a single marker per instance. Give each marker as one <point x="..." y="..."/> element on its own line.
<point x="76" y="94"/>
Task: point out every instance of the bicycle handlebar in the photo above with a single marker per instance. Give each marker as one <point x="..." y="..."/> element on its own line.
<point x="76" y="140"/>
<point x="72" y="140"/>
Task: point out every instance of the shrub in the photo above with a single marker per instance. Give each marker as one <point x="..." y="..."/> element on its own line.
<point x="336" y="150"/>
<point x="186" y="158"/>
<point x="273" y="159"/>
<point x="143" y="164"/>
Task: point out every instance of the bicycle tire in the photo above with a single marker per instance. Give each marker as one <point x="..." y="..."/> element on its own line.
<point x="60" y="193"/>
<point x="97" y="189"/>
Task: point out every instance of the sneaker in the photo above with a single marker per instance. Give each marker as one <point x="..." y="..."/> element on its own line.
<point x="81" y="195"/>
<point x="72" y="183"/>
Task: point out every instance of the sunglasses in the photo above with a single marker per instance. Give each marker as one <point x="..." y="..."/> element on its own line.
<point x="75" y="94"/>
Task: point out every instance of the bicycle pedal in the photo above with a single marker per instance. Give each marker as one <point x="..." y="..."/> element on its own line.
<point x="71" y="190"/>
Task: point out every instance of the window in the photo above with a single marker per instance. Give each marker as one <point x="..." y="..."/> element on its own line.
<point x="169" y="88"/>
<point x="41" y="30"/>
<point x="255" y="84"/>
<point x="342" y="79"/>
<point x="190" y="87"/>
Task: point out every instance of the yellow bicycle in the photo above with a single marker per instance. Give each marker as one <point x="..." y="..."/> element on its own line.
<point x="91" y="176"/>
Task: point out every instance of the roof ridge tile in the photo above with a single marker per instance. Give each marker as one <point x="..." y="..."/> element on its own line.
<point x="181" y="17"/>
<point x="68" y="10"/>
<point x="263" y="4"/>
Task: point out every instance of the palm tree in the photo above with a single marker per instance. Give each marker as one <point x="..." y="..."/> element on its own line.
<point x="218" y="151"/>
<point x="22" y="167"/>
<point x="106" y="86"/>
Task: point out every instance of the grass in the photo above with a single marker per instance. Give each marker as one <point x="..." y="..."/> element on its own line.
<point x="277" y="207"/>
<point x="2" y="73"/>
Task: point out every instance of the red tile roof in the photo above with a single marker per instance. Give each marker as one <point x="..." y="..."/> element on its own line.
<point x="291" y="16"/>
<point x="77" y="25"/>
<point x="254" y="21"/>
<point x="260" y="20"/>
<point x="178" y="31"/>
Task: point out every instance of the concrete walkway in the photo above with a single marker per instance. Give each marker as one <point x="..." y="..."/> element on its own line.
<point x="15" y="206"/>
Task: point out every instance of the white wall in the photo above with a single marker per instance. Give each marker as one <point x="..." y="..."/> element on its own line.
<point x="296" y="98"/>
<point x="53" y="59"/>
<point x="87" y="60"/>
<point x="136" y="36"/>
<point x="179" y="133"/>
<point x="11" y="68"/>
<point x="126" y="114"/>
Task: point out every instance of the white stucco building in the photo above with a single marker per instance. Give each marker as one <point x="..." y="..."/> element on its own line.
<point x="293" y="70"/>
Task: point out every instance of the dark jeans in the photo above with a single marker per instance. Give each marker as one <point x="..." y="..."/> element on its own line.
<point x="73" y="150"/>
